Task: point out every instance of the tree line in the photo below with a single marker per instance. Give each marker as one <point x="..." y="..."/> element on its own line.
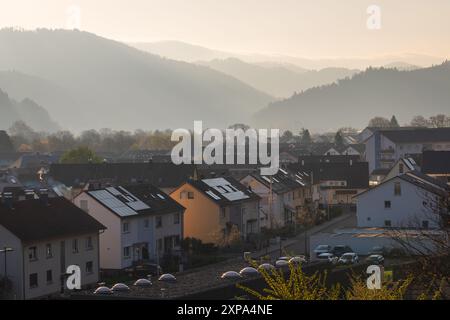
<point x="25" y="139"/>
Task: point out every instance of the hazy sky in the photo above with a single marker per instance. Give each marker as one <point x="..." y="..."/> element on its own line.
<point x="314" y="28"/>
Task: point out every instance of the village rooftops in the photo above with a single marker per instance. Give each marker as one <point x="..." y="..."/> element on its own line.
<point x="158" y="201"/>
<point x="162" y="175"/>
<point x="417" y="135"/>
<point x="34" y="220"/>
<point x="224" y="191"/>
<point x="283" y="182"/>
<point x="124" y="203"/>
<point x="356" y="174"/>
<point x="420" y="180"/>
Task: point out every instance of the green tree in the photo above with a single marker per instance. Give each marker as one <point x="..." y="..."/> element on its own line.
<point x="80" y="155"/>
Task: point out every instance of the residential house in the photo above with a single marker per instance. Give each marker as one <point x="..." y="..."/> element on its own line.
<point x="142" y="225"/>
<point x="282" y="196"/>
<point x="410" y="200"/>
<point x="217" y="209"/>
<point x="335" y="184"/>
<point x="45" y="236"/>
<point x="386" y="146"/>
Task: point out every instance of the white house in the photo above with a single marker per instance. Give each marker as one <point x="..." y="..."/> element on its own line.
<point x="385" y="146"/>
<point x="143" y="224"/>
<point x="410" y="200"/>
<point x="43" y="237"/>
<point x="282" y="196"/>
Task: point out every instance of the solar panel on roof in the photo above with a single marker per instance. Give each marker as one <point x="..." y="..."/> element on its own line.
<point x="112" y="203"/>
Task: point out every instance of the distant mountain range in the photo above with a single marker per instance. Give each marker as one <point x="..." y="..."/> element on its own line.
<point x="276" y="79"/>
<point x="183" y="51"/>
<point x="86" y="81"/>
<point x="352" y="102"/>
<point x="25" y="110"/>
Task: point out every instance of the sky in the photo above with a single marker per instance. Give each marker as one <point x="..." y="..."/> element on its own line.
<point x="310" y="29"/>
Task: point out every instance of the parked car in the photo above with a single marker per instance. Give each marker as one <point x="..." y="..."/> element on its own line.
<point x="328" y="257"/>
<point x="340" y="250"/>
<point x="323" y="248"/>
<point x="349" y="258"/>
<point x="375" y="259"/>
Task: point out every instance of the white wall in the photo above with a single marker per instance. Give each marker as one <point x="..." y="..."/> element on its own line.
<point x="53" y="263"/>
<point x="110" y="239"/>
<point x="406" y="210"/>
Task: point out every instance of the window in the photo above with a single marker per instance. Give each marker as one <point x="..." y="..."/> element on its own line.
<point x="125" y="227"/>
<point x="190" y="195"/>
<point x="146" y="223"/>
<point x="425" y="224"/>
<point x="126" y="252"/>
<point x="48" y="251"/>
<point x="397" y="189"/>
<point x="158" y="221"/>
<point x="33" y="280"/>
<point x="401" y="168"/>
<point x="387" y="204"/>
<point x="84" y="205"/>
<point x="387" y="223"/>
<point x="89" y="245"/>
<point x="49" y="276"/>
<point x="75" y="246"/>
<point x="89" y="267"/>
<point x="32" y="254"/>
<point x="176" y="218"/>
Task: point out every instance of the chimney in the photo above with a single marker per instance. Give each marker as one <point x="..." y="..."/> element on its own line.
<point x="29" y="194"/>
<point x="8" y="199"/>
<point x="43" y="195"/>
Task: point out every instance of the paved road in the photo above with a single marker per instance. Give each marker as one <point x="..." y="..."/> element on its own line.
<point x="298" y="247"/>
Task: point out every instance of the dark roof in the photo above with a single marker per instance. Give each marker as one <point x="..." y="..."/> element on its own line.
<point x="220" y="197"/>
<point x="35" y="160"/>
<point x="418" y="179"/>
<point x="282" y="182"/>
<point x="149" y="195"/>
<point x="32" y="220"/>
<point x="436" y="162"/>
<point x="418" y="135"/>
<point x="431" y="184"/>
<point x="324" y="158"/>
<point x="161" y="175"/>
<point x="380" y="172"/>
<point x="356" y="174"/>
